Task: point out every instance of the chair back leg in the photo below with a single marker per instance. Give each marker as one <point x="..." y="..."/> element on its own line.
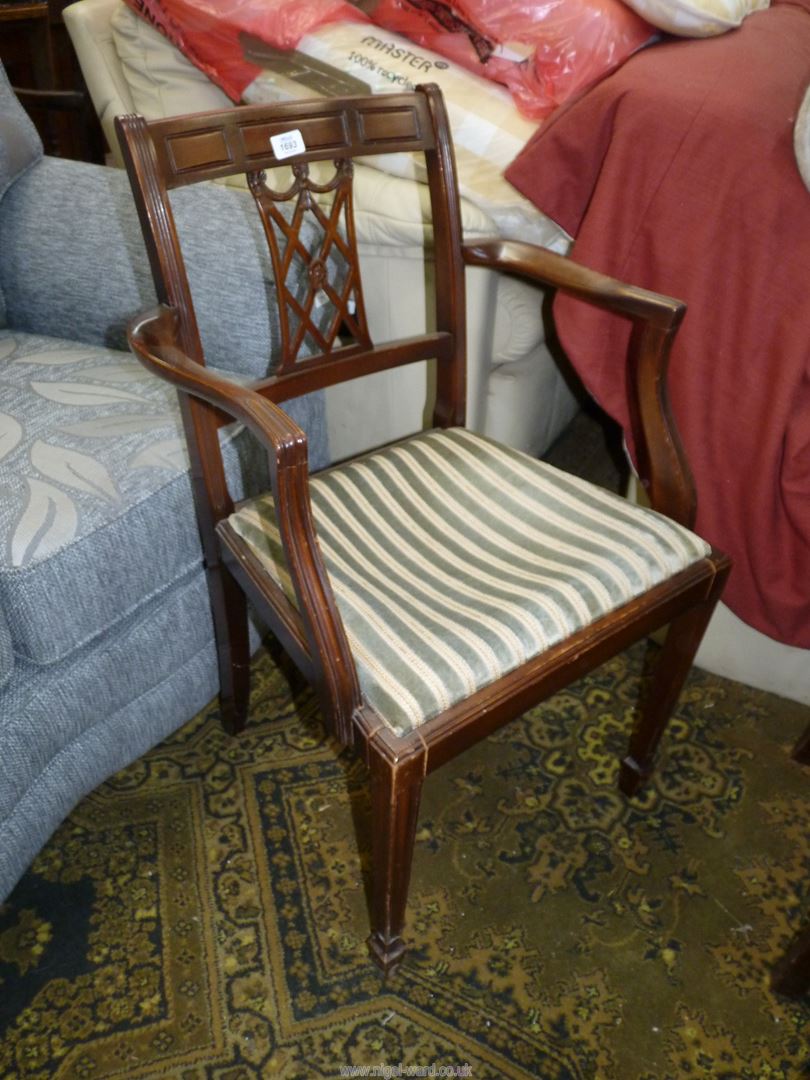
<point x="791" y="976"/>
<point x="229" y="608"/>
<point x="801" y="751"/>
<point x="673" y="665"/>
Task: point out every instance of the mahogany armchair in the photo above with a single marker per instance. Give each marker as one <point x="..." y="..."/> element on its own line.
<point x="435" y="589"/>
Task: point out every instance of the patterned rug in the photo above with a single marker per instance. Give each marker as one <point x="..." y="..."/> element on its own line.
<point x="203" y="913"/>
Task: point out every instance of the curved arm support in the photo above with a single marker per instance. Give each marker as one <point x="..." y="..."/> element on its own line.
<point x="153" y="337"/>
<point x="547" y="268"/>
<point x="662" y="463"/>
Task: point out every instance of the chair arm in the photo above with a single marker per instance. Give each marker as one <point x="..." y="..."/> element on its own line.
<point x="660" y="459"/>
<point x="558" y="271"/>
<point x="154" y="337"/>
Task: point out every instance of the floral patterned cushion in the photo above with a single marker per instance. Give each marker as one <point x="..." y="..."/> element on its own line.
<point x="93" y="470"/>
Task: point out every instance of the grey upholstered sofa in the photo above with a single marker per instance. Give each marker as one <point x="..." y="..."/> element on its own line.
<point x="106" y="641"/>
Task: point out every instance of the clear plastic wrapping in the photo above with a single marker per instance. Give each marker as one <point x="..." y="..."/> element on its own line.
<point x="542" y="51"/>
<point x="209" y="32"/>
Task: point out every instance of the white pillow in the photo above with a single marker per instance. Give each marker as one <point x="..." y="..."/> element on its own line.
<point x="696" y="18"/>
<point x="801" y="139"/>
<point x="488" y="131"/>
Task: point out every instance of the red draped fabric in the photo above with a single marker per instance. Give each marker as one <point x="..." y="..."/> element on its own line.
<point x="678" y="173"/>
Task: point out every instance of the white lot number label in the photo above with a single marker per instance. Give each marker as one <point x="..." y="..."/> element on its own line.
<point x="287" y="143"/>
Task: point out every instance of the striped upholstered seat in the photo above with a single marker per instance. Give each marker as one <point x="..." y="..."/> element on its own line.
<point x="454" y="559"/>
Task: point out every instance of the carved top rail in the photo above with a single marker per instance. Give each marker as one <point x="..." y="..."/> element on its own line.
<point x="231" y="142"/>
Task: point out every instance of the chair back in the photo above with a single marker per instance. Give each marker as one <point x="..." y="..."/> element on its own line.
<point x="309" y="227"/>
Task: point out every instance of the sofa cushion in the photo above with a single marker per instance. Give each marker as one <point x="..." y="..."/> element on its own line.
<point x="97" y="516"/>
<point x="97" y="711"/>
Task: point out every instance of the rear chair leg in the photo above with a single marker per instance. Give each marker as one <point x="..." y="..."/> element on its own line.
<point x="677" y="656"/>
<point x="229" y="606"/>
<point x="396" y="789"/>
<point x="791" y="976"/>
<point x="801" y="751"/>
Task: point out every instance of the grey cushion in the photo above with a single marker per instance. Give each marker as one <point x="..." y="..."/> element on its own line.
<point x="97" y="514"/>
<point x="454" y="560"/>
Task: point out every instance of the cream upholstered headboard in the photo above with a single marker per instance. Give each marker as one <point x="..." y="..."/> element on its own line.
<point x="89" y="26"/>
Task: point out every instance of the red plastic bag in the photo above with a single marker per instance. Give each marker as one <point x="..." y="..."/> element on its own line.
<point x="207" y="31"/>
<point x="544" y="51"/>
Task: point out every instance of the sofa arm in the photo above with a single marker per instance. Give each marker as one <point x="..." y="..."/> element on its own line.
<point x="51" y="277"/>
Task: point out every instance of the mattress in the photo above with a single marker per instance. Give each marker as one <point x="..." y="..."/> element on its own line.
<point x="345" y="57"/>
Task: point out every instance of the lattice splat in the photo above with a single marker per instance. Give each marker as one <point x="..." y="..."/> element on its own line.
<point x="321" y="309"/>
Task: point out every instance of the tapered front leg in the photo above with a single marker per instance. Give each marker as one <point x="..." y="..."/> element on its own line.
<point x="396" y="789"/>
<point x="674" y="663"/>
